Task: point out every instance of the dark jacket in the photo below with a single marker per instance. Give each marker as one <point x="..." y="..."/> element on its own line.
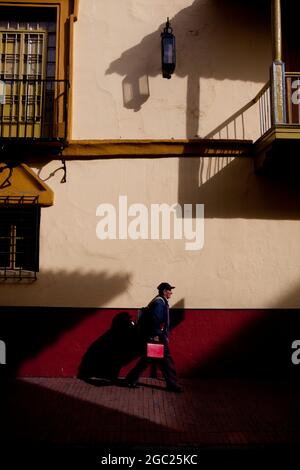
<point x="159" y="315"/>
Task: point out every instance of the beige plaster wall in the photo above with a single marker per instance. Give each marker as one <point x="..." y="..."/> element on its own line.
<point x="223" y="59"/>
<point x="250" y="258"/>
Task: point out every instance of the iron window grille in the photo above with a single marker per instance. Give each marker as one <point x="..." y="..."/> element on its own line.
<point x="19" y="237"/>
<point x="34" y="109"/>
<point x="33" y="105"/>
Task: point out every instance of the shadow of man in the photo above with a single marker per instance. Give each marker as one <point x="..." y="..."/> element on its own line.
<point x="104" y="358"/>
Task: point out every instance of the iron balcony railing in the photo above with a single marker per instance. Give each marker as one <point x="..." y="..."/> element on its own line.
<point x="291" y="99"/>
<point x="34" y="109"/>
<point x="257" y="117"/>
<point x="263" y="100"/>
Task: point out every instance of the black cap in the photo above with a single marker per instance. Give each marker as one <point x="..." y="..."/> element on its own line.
<point x="165" y="285"/>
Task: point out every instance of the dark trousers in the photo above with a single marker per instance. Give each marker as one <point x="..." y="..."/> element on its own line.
<point x="166" y="365"/>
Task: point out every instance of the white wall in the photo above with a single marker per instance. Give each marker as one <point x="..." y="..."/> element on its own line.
<point x="250" y="256"/>
<point x="223" y="59"/>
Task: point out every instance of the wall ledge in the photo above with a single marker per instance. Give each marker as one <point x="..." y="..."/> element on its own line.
<point x="93" y="149"/>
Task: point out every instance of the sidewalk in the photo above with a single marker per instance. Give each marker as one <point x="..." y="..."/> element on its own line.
<point x="220" y="414"/>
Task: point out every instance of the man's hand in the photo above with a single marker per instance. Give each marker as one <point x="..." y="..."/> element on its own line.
<point x="156" y="339"/>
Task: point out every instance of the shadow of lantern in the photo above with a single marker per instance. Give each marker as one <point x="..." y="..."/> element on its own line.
<point x="135" y="91"/>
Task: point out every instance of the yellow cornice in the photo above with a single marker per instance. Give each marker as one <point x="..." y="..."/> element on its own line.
<point x="93" y="149"/>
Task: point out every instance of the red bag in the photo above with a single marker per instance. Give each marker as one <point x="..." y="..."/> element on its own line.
<point x="155" y="350"/>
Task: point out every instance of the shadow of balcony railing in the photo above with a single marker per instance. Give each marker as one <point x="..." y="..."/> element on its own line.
<point x="240" y="126"/>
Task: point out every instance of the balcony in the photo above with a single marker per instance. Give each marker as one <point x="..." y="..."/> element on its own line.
<point x="33" y="112"/>
<point x="279" y="137"/>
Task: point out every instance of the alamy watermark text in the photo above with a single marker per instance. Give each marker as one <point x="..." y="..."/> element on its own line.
<point x="159" y="221"/>
<point x="2" y="352"/>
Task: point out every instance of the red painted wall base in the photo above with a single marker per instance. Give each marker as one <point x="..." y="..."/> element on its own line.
<point x="52" y="342"/>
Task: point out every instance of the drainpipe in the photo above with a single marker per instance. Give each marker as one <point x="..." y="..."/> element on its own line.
<point x="278" y="68"/>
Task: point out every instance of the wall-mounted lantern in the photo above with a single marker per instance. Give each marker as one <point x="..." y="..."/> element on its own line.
<point x="168" y="51"/>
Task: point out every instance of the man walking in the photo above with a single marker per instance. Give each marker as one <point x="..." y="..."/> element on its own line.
<point x="156" y="328"/>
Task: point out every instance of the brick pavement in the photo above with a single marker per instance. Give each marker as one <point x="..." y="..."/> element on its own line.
<point x="219" y="414"/>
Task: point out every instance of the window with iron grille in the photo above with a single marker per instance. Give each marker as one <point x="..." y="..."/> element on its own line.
<point x="32" y="101"/>
<point x="19" y="238"/>
<point x="28" y="43"/>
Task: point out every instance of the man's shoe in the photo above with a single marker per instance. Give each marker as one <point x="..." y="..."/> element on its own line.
<point x="174" y="388"/>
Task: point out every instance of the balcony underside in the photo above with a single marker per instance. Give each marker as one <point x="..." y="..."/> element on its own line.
<point x="24" y="148"/>
<point x="277" y="152"/>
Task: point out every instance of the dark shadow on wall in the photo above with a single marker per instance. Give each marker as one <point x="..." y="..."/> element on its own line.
<point x="290" y="300"/>
<point x="28" y="331"/>
<point x="261" y="349"/>
<point x="177" y="314"/>
<point x="118" y="346"/>
<point x="229" y="188"/>
<point x="110" y="352"/>
<point x="69" y="288"/>
<point x="209" y="45"/>
<point x="258" y="346"/>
